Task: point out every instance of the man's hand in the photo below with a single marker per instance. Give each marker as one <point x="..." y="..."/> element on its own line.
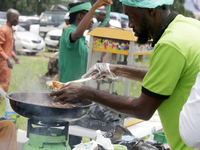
<point x="10" y="63"/>
<point x="99" y="70"/>
<point x="100" y="3"/>
<point x="16" y="59"/>
<point x="72" y="92"/>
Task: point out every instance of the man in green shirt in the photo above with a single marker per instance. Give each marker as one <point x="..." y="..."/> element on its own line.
<point x="73" y="49"/>
<point x="174" y="65"/>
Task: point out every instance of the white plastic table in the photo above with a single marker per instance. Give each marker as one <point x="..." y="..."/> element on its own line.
<point x="138" y="130"/>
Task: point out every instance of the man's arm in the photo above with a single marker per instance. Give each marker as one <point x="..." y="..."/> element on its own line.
<point x="142" y="107"/>
<point x="83" y="25"/>
<point x="2" y="41"/>
<point x="100" y="70"/>
<point x="130" y="72"/>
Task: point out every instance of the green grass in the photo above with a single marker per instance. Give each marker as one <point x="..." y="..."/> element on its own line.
<point x="135" y="86"/>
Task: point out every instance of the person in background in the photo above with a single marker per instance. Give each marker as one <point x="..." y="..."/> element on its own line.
<point x="189" y="119"/>
<point x="173" y="67"/>
<point x="6" y="48"/>
<point x="66" y="18"/>
<point x="73" y="49"/>
<point x="8" y="137"/>
<point x="66" y="21"/>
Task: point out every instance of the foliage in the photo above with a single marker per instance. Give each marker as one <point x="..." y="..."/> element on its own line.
<point x="31" y="7"/>
<point x="178" y="6"/>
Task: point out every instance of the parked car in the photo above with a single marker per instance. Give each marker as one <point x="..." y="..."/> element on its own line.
<point x="25" y="25"/>
<point x="33" y="21"/>
<point x="2" y="21"/>
<point x="50" y="20"/>
<point x="26" y="41"/>
<point x="3" y="15"/>
<point x="52" y="38"/>
<point x="119" y="16"/>
<point x="30" y="23"/>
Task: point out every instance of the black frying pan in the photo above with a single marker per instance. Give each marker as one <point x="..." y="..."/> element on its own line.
<point x="31" y="105"/>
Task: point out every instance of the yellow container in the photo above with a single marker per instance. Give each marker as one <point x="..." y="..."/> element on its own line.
<point x="119" y="147"/>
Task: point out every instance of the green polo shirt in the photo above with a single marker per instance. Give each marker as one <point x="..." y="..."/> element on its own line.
<point x="72" y="56"/>
<point x="174" y="65"/>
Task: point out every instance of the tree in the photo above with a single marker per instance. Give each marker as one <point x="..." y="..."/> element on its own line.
<point x="30" y="7"/>
<point x="178" y="6"/>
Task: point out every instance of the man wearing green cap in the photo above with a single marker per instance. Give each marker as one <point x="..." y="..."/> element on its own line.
<point x="73" y="49"/>
<point x="174" y="65"/>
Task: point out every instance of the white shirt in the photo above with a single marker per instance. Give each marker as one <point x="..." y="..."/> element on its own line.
<point x="189" y="119"/>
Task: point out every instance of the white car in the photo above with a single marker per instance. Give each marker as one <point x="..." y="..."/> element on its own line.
<point x="26" y="41"/>
<point x="33" y="21"/>
<point x="52" y="38"/>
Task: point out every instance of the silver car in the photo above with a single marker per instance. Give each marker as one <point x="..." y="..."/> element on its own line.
<point x="26" y="41"/>
<point x="52" y="37"/>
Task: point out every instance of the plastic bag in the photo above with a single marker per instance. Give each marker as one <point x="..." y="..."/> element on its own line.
<point x="105" y="142"/>
<point x="100" y="143"/>
<point x="122" y="136"/>
<point x="101" y="118"/>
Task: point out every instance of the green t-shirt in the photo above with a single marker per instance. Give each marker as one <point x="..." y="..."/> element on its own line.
<point x="174" y="65"/>
<point x="72" y="56"/>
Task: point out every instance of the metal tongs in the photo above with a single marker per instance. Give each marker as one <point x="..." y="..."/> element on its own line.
<point x="49" y="83"/>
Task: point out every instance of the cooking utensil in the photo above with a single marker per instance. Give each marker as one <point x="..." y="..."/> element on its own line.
<point x="50" y="83"/>
<point x="31" y="105"/>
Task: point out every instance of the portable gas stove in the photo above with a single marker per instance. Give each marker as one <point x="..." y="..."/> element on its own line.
<point x="47" y="135"/>
<point x="47" y="125"/>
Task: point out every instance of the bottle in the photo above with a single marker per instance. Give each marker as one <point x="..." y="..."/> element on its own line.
<point x="151" y="140"/>
<point x="10" y="114"/>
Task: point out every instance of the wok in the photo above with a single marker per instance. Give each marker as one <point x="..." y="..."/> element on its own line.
<point x="31" y="105"/>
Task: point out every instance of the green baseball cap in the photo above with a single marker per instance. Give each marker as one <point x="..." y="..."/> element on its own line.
<point x="84" y="6"/>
